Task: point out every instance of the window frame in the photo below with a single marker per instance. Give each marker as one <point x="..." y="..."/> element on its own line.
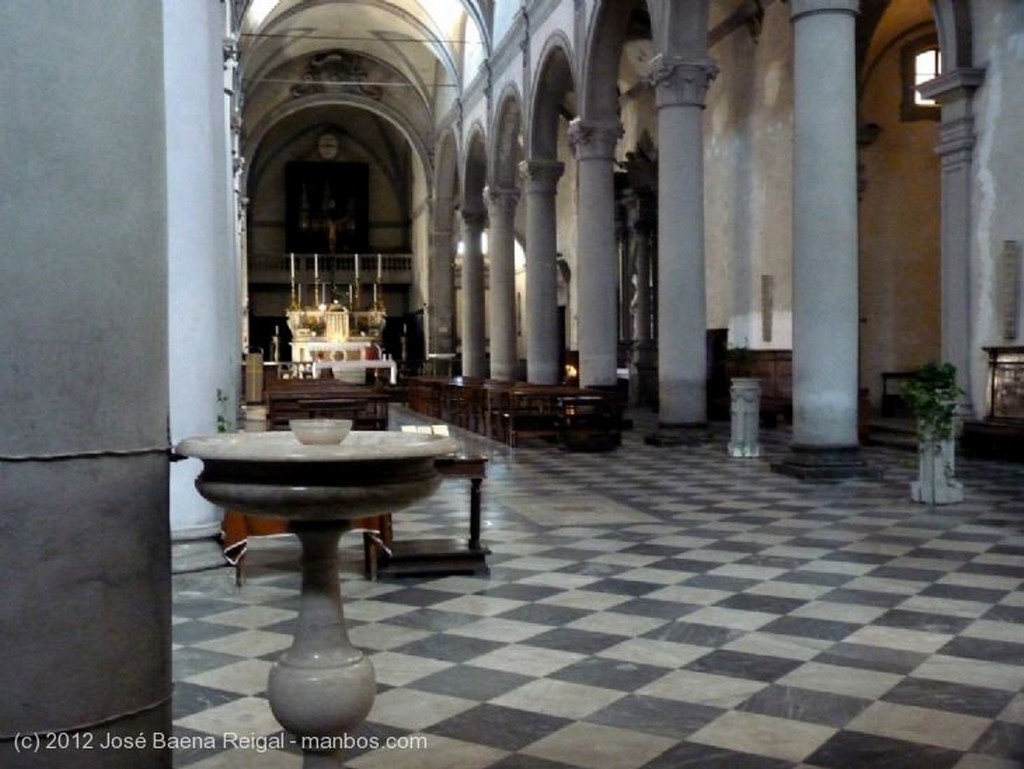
<point x="909" y="108"/>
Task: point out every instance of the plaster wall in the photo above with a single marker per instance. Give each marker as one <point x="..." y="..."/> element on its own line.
<point x="748" y="184"/>
<point x="998" y="172"/>
<point x="899" y="232"/>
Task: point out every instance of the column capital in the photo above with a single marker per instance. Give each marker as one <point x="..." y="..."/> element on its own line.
<point x="473" y="218"/>
<point x="593" y="139"/>
<point x="681" y="82"/>
<point x="541" y="175"/>
<point x="501" y="201"/>
<point x="800" y="8"/>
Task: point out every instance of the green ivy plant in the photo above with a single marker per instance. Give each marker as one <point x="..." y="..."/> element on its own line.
<point x="931" y="396"/>
<point x="223" y="423"/>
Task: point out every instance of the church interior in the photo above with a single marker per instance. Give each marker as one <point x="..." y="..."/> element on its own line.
<point x="663" y="283"/>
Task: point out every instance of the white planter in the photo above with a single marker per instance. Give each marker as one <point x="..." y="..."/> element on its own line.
<point x="936" y="482"/>
<point x="745" y="397"/>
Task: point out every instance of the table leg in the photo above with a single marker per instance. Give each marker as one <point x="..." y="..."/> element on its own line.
<point x="322" y="687"/>
<point x="474" y="512"/>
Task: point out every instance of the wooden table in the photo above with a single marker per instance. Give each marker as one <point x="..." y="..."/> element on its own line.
<point x="387" y="556"/>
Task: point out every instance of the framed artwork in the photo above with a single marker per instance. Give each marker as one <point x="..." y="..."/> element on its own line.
<point x="327" y="207"/>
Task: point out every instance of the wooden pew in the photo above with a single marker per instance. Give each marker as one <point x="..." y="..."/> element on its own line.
<point x="288" y="399"/>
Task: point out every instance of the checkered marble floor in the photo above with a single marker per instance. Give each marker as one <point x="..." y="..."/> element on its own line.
<point x="651" y="608"/>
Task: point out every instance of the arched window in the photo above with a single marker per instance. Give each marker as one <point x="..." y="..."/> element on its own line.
<point x="921" y="62"/>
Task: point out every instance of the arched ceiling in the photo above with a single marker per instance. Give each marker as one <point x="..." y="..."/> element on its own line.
<point x="409" y="54"/>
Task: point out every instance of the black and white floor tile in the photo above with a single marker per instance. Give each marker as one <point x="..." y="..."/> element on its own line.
<point x="651" y="608"/>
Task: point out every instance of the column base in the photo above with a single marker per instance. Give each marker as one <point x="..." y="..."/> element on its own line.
<point x="196" y="549"/>
<point x="679" y="435"/>
<point x="826" y="464"/>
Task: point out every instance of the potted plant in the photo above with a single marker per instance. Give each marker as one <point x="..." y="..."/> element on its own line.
<point x="932" y="397"/>
<point x="744" y="403"/>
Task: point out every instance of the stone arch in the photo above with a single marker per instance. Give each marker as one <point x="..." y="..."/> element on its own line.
<point x="506" y="139"/>
<point x="609" y="27"/>
<point x="474" y="173"/>
<point x="554" y="82"/>
<point x="953" y="20"/>
<point x="405" y="126"/>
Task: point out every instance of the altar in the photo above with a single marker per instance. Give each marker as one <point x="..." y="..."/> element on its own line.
<point x="337" y="339"/>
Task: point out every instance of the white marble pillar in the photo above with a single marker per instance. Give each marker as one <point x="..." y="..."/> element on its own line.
<point x="84" y="539"/>
<point x="541" y="316"/>
<point x="825" y="284"/>
<point x="824" y="225"/>
<point x="473" y="328"/>
<point x="501" y="208"/>
<point x="440" y="313"/>
<point x="681" y="86"/>
<point x="205" y="305"/>
<point x="597" y="271"/>
<point x="955" y="92"/>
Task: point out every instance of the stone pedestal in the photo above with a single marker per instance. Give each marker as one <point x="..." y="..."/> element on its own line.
<point x="745" y="415"/>
<point x="936" y="482"/>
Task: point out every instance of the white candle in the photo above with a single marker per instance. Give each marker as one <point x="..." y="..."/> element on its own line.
<point x="378" y="268"/>
<point x="316" y="266"/>
<point x="357" y="267"/>
<point x="293" y="268"/>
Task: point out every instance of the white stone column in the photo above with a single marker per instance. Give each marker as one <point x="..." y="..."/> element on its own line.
<point x="955" y="92"/>
<point x="474" y="360"/>
<point x="681" y="86"/>
<point x="501" y="208"/>
<point x="84" y="538"/>
<point x="597" y="271"/>
<point x="825" y="284"/>
<point x="541" y="316"/>
<point x="825" y="277"/>
<point x="441" y="299"/>
<point x="205" y="307"/>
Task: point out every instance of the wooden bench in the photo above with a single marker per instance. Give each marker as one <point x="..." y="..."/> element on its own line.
<point x="289" y="399"/>
<point x="893" y="404"/>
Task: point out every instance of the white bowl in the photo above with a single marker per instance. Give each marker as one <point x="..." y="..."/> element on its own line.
<point x="320" y="432"/>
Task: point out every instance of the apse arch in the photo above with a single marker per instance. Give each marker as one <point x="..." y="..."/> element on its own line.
<point x="254" y="140"/>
